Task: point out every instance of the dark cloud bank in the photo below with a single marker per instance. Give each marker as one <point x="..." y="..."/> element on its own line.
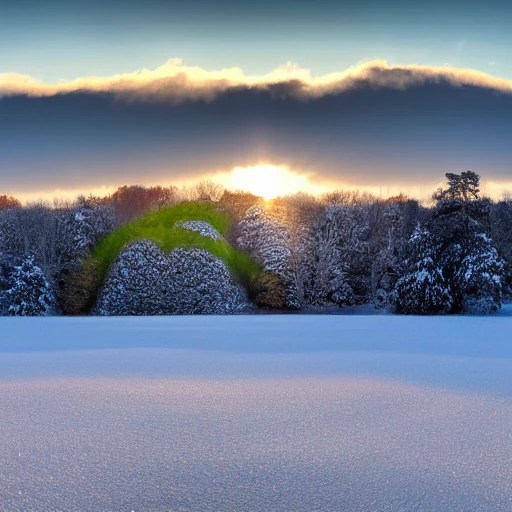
<point x="394" y="130"/>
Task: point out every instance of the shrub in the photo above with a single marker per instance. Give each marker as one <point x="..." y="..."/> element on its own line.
<point x="80" y="287"/>
<point x="163" y="229"/>
<point x="146" y="281"/>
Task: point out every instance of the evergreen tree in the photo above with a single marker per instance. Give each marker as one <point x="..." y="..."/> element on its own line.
<point x="423" y="289"/>
<point x="461" y="187"/>
<point x="470" y="263"/>
<point x="29" y="293"/>
<point x="479" y="277"/>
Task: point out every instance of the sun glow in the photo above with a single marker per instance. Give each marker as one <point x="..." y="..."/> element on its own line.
<point x="267" y="180"/>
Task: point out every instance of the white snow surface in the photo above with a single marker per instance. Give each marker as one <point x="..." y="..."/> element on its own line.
<point x="256" y="413"/>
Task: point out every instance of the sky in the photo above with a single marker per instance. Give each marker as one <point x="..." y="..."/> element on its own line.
<point x="102" y="93"/>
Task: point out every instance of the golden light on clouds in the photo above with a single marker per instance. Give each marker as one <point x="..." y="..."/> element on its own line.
<point x="267" y="180"/>
<point x="175" y="81"/>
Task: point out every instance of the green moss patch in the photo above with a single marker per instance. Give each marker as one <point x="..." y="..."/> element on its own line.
<point x="159" y="228"/>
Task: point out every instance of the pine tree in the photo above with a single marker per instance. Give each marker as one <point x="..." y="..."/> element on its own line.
<point x="462" y="187"/>
<point x="29" y="293"/>
<point x="423" y="289"/>
<point x="479" y="277"/>
<point x="470" y="262"/>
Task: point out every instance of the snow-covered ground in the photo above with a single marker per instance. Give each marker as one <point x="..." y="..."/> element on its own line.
<point x="256" y="413"/>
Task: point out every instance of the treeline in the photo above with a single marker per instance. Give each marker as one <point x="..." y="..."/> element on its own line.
<point x="342" y="248"/>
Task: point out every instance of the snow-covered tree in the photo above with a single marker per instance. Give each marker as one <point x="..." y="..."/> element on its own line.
<point x="393" y="222"/>
<point x="479" y="277"/>
<point x="268" y="241"/>
<point x="11" y="242"/>
<point x="29" y="292"/>
<point x="423" y="290"/>
<point x="146" y="281"/>
<point x="81" y="227"/>
<point x="4" y="285"/>
<point x="501" y="233"/>
<point x="470" y="262"/>
<point x="36" y="229"/>
<point x="356" y="250"/>
<point x="326" y="268"/>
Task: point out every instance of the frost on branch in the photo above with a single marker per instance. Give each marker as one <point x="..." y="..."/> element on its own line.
<point x="146" y="281"/>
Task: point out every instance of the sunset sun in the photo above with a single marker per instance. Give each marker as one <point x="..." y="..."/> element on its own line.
<point x="267" y="180"/>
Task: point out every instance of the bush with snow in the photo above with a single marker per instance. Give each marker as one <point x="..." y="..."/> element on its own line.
<point x="146" y="281"/>
<point x="200" y="226"/>
<point x="200" y="283"/>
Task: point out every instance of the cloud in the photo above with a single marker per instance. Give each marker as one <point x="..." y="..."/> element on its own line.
<point x="176" y="82"/>
<point x="372" y="125"/>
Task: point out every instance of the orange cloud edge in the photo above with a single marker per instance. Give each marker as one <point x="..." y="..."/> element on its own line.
<point x="176" y="82"/>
